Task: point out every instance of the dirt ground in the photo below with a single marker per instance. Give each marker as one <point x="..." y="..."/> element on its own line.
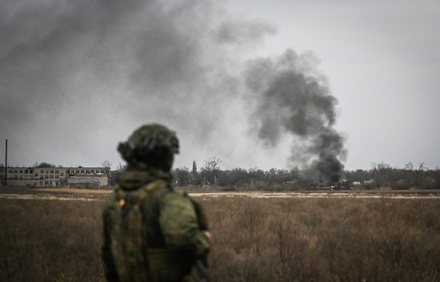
<point x="53" y="193"/>
<point x="100" y="194"/>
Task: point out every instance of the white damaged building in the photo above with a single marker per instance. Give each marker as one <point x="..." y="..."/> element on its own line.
<point x="73" y="177"/>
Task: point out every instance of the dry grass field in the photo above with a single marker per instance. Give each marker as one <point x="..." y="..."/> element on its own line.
<point x="254" y="239"/>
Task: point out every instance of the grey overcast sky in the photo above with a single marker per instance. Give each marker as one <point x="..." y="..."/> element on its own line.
<point x="257" y="84"/>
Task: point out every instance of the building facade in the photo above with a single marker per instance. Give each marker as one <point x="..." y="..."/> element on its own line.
<point x="82" y="177"/>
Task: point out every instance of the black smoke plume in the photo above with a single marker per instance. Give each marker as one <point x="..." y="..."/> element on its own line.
<point x="289" y="97"/>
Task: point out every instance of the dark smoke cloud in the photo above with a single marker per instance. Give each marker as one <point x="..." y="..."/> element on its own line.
<point x="78" y="76"/>
<point x="289" y="97"/>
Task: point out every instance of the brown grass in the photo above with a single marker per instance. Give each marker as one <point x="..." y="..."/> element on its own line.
<point x="253" y="239"/>
<point x="50" y="240"/>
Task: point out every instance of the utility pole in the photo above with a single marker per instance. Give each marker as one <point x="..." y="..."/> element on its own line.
<point x="6" y="162"/>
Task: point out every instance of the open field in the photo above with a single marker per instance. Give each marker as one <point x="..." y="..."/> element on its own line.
<point x="97" y="194"/>
<point x="329" y="236"/>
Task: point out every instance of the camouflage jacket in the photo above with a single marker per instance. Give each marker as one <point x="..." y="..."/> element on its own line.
<point x="151" y="232"/>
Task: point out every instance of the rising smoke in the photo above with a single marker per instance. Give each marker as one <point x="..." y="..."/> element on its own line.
<point x="289" y="97"/>
<point x="78" y="76"/>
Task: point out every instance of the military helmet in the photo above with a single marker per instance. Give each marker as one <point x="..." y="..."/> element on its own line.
<point x="150" y="144"/>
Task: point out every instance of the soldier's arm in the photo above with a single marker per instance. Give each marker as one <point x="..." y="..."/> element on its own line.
<point x="180" y="225"/>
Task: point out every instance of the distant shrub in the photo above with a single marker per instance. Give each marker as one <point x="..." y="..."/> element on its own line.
<point x="399" y="185"/>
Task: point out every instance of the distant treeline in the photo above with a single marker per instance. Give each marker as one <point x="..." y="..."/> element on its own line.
<point x="379" y="176"/>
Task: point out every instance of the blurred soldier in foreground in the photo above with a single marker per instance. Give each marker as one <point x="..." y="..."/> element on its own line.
<point x="151" y="232"/>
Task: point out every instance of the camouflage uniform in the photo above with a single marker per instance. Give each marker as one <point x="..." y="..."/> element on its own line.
<point x="151" y="232"/>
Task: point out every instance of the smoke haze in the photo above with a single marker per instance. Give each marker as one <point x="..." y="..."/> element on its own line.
<point x="79" y="76"/>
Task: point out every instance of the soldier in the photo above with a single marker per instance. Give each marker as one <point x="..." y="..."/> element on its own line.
<point x="151" y="232"/>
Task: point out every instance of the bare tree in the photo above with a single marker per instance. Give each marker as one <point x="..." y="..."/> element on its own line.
<point x="382" y="174"/>
<point x="106" y="164"/>
<point x="211" y="164"/>
<point x="121" y="167"/>
<point x="416" y="174"/>
<point x="210" y="170"/>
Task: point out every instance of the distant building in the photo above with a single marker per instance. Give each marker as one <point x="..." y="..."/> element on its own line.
<point x="84" y="177"/>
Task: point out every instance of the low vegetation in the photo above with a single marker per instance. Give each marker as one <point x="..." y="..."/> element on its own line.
<point x="253" y="239"/>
